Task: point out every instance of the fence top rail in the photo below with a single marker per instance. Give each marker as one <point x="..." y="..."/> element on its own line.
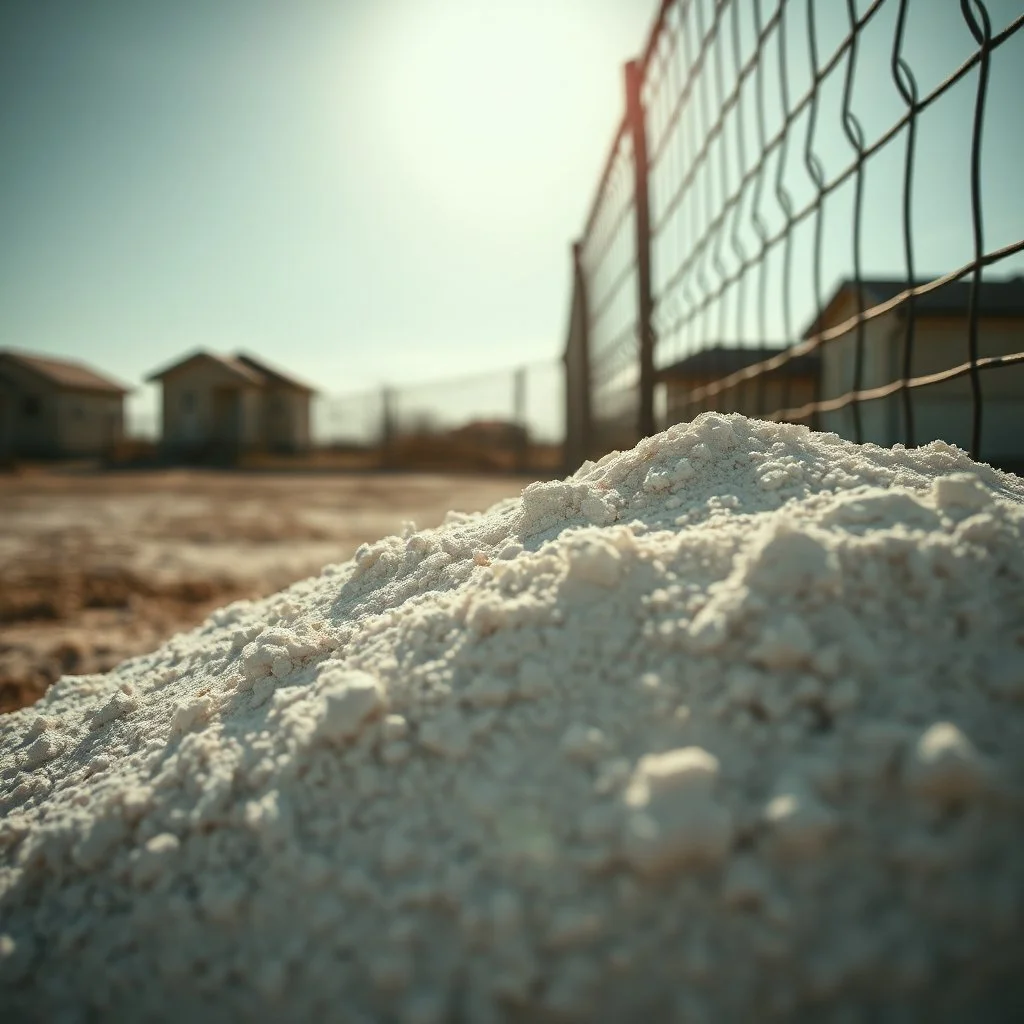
<point x="653" y="35"/>
<point x="605" y="179"/>
<point x="729" y="163"/>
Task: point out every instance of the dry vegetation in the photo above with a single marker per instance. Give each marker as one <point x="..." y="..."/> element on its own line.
<point x="98" y="567"/>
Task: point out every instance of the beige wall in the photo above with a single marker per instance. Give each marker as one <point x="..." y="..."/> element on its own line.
<point x="251" y="427"/>
<point x="199" y="409"/>
<point x="302" y="403"/>
<point x="88" y="423"/>
<point x="37" y="419"/>
<point x="195" y="407"/>
<point x="285" y="419"/>
<point x="31" y="412"/>
<point x="941" y="411"/>
<point x="880" y="361"/>
<point x="944" y="411"/>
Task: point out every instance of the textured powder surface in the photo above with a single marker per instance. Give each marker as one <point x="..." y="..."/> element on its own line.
<point x="728" y="727"/>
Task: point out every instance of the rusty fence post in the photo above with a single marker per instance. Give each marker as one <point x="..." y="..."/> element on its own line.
<point x="645" y="304"/>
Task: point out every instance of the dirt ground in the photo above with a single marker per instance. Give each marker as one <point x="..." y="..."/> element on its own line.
<point x="97" y="567"/>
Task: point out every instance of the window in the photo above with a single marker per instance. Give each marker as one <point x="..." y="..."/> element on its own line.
<point x="188" y="401"/>
<point x="30" y="406"/>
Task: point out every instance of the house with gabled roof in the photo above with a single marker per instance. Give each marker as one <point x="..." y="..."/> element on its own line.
<point x="928" y="335"/>
<point x="57" y="408"/>
<point x="222" y="405"/>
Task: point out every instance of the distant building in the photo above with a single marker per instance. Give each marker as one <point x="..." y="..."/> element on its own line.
<point x="56" y="408"/>
<point x="789" y="386"/>
<point x="221" y="405"/>
<point x="942" y="410"/>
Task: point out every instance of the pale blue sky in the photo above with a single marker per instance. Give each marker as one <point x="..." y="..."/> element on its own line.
<point x="385" y="190"/>
<point x="360" y="190"/>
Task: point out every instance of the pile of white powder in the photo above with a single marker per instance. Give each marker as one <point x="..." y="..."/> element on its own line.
<point x="729" y="727"/>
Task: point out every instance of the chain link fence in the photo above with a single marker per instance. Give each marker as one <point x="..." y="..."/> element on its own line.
<point x="810" y="212"/>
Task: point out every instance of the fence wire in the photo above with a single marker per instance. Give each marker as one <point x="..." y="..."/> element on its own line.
<point x="803" y="162"/>
<point x="608" y="261"/>
<point x="506" y="420"/>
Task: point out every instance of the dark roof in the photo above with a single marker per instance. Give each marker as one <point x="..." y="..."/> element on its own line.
<point x="721" y="360"/>
<point x="66" y="374"/>
<point x="997" y="298"/>
<point x="271" y="373"/>
<point x="247" y="368"/>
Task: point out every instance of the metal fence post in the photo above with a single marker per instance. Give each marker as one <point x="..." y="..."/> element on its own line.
<point x="645" y="303"/>
<point x="387" y="424"/>
<point x="579" y="430"/>
<point x="521" y="441"/>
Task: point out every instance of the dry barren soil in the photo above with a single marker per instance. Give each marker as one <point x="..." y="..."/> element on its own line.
<point x="97" y="567"/>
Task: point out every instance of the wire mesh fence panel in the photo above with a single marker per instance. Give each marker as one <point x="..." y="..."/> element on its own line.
<point x="835" y="233"/>
<point x="485" y="421"/>
<point x="348" y="421"/>
<point x="544" y="402"/>
<point x="440" y="407"/>
<point x="608" y="261"/>
<point x="503" y="421"/>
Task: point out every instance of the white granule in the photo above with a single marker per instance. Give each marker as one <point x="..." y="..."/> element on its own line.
<point x="728" y="727"/>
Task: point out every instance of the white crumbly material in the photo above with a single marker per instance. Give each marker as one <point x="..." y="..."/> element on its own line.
<point x="729" y="727"/>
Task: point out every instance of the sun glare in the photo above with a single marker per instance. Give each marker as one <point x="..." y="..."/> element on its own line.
<point x="477" y="101"/>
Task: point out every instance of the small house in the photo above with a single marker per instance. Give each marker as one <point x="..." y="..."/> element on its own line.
<point x="57" y="408"/>
<point x="939" y="342"/>
<point x="220" y="405"/>
<point x="691" y="383"/>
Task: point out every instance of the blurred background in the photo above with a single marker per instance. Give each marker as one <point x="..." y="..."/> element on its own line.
<point x="276" y="278"/>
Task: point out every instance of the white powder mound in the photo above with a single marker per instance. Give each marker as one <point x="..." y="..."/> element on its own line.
<point x="729" y="727"/>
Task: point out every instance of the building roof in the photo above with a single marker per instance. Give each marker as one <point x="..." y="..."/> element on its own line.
<point x="246" y="368"/>
<point x="65" y="374"/>
<point x="271" y="373"/>
<point x="239" y="370"/>
<point x="998" y="298"/>
<point x="721" y="360"/>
